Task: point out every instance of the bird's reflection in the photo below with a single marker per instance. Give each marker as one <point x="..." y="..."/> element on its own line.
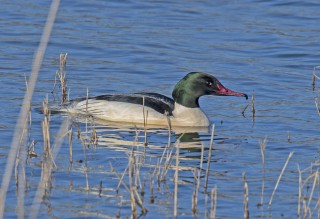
<point x="120" y="136"/>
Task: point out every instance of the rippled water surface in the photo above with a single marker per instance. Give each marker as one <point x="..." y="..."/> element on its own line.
<point x="266" y="47"/>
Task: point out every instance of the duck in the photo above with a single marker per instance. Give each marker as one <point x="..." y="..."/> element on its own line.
<point x="149" y="108"/>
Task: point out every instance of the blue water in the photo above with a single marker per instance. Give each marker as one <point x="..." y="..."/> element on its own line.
<point x="269" y="47"/>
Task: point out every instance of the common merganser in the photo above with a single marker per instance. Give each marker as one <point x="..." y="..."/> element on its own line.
<point x="153" y="108"/>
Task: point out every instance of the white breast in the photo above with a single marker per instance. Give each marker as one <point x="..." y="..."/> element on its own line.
<point x="189" y="116"/>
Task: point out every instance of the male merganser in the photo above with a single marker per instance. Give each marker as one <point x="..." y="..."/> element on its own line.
<point x="153" y="108"/>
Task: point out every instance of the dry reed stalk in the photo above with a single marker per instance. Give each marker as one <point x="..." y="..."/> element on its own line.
<point x="132" y="193"/>
<point x="209" y="159"/>
<point x="317" y="104"/>
<point x="134" y="177"/>
<point x="85" y="144"/>
<point x="46" y="129"/>
<point x="145" y="120"/>
<point x="87" y="114"/>
<point x="46" y="170"/>
<point x="47" y="155"/>
<point x="32" y="150"/>
<point x="245" y="197"/>
<point x="194" y="200"/>
<point x="166" y="164"/>
<point x="21" y="158"/>
<point x="313" y="80"/>
<point x="306" y="210"/>
<point x="139" y="201"/>
<point x="120" y="178"/>
<point x="87" y="179"/>
<point x="21" y="178"/>
<point x="137" y="167"/>
<point x="142" y="188"/>
<point x="253" y="108"/>
<point x="196" y="191"/>
<point x="39" y="54"/>
<point x="315" y="180"/>
<point x="84" y="148"/>
<point x="282" y="171"/>
<point x="300" y="191"/>
<point x="62" y="77"/>
<point x="197" y="175"/>
<point x="314" y="77"/>
<point x="213" y="202"/>
<point x="94" y="137"/>
<point x="61" y="74"/>
<point x="262" y="145"/>
<point x="176" y="177"/>
<point x="201" y="158"/>
<point x="169" y="129"/>
<point x="70" y="147"/>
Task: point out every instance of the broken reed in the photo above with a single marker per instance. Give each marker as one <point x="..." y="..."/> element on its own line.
<point x="61" y="74"/>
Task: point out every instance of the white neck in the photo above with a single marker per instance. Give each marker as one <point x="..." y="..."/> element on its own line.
<point x="189" y="116"/>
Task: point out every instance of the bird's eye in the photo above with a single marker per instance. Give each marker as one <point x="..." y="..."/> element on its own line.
<point x="209" y="83"/>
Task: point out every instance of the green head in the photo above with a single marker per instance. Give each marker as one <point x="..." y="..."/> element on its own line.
<point x="196" y="84"/>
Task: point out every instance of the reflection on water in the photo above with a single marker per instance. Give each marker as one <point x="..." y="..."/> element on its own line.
<point x="114" y="134"/>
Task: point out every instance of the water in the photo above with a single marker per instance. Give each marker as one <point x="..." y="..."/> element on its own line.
<point x="269" y="47"/>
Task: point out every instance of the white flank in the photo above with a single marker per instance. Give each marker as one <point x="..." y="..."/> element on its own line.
<point x="133" y="113"/>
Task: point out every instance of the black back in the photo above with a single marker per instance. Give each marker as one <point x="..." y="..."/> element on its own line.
<point x="158" y="102"/>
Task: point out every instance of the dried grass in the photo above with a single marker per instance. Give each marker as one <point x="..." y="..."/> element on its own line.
<point x="279" y="178"/>
<point x="209" y="158"/>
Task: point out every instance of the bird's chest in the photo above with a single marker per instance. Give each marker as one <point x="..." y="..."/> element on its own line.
<point x="189" y="116"/>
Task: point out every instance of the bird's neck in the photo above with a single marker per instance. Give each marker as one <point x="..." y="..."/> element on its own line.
<point x="185" y="98"/>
